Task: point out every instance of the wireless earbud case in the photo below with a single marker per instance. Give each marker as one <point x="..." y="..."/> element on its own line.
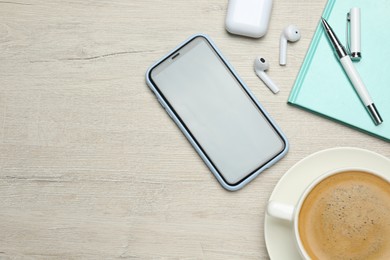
<point x="248" y="17"/>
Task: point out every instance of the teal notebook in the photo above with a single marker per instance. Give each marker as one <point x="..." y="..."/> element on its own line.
<point x="322" y="86"/>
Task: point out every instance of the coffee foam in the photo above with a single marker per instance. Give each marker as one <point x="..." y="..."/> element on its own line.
<point x="347" y="216"/>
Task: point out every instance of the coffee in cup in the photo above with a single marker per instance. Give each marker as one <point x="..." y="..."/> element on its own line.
<point x="344" y="214"/>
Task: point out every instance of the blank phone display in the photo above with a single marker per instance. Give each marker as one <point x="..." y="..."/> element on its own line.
<point x="229" y="127"/>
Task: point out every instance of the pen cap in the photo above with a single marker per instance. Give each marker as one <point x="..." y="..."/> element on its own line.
<point x="354" y="35"/>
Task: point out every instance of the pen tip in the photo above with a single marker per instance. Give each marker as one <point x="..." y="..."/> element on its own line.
<point x="325" y="23"/>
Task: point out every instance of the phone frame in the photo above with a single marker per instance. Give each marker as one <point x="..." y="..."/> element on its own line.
<point x="176" y="118"/>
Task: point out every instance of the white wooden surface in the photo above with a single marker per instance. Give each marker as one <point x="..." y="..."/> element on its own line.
<point x="92" y="167"/>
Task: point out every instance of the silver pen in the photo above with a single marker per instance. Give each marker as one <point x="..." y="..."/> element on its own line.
<point x="352" y="73"/>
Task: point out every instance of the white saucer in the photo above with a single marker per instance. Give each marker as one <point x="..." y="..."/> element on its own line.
<point x="279" y="236"/>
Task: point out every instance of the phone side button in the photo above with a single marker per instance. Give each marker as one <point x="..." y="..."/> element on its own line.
<point x="159" y="101"/>
<point x="169" y="113"/>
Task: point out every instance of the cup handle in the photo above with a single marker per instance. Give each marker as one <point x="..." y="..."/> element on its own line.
<point x="280" y="210"/>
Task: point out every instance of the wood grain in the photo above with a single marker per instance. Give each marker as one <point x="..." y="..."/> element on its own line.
<point x="91" y="167"/>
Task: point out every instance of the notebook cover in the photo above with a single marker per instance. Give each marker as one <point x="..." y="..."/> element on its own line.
<point x="322" y="87"/>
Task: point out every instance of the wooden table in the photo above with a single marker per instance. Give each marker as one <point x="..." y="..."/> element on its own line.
<point x="92" y="167"/>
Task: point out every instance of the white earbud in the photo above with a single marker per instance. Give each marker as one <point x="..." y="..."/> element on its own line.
<point x="290" y="33"/>
<point x="261" y="65"/>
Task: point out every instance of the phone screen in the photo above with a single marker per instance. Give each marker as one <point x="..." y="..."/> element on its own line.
<point x="216" y="110"/>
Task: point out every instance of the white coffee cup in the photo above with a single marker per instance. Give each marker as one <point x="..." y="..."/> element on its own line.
<point x="291" y="213"/>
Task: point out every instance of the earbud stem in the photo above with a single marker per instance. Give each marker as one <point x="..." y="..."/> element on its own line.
<point x="267" y="81"/>
<point x="283" y="51"/>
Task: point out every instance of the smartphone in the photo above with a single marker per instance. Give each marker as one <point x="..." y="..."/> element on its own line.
<point x="217" y="112"/>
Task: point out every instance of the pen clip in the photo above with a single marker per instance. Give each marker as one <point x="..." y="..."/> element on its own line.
<point x="348" y="33"/>
<point x="352" y="34"/>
